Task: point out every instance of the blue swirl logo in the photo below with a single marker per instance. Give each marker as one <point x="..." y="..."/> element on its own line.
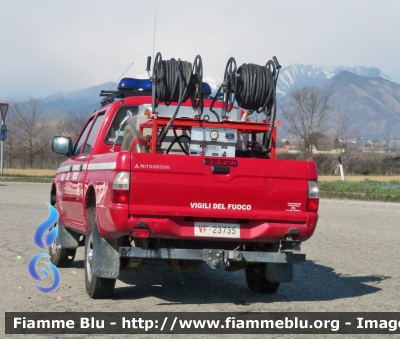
<point x="49" y="239"/>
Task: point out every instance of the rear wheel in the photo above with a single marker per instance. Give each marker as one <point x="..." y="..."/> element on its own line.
<point x="96" y="287"/>
<point x="61" y="257"/>
<point x="257" y="281"/>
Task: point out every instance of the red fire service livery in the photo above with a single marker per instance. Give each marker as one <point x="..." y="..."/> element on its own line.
<point x="166" y="171"/>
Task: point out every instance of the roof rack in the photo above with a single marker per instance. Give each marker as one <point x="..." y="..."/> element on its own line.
<point x="127" y="87"/>
<point x="110" y="96"/>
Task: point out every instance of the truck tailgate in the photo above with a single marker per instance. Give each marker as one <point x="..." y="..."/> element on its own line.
<point x="184" y="186"/>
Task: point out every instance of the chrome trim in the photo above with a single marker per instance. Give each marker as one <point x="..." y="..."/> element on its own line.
<point x="102" y="166"/>
<point x="63" y="169"/>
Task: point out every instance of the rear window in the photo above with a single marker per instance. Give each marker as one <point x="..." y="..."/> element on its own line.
<point x="116" y="131"/>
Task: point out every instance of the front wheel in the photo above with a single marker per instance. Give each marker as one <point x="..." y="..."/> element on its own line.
<point x="257" y="281"/>
<point x="96" y="287"/>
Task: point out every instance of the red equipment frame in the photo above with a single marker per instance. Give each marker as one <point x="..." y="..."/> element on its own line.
<point x="186" y="124"/>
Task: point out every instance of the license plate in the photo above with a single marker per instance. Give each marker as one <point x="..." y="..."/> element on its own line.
<point x="217" y="230"/>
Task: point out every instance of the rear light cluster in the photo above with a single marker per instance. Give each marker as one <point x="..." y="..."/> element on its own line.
<point x="120" y="190"/>
<point x="220" y="162"/>
<point x="313" y="196"/>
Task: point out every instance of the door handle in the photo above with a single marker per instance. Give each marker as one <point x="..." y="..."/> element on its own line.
<point x="221" y="170"/>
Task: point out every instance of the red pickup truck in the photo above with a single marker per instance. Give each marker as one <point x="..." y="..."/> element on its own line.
<point x="205" y="194"/>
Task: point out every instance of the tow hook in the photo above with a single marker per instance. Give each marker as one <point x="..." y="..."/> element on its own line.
<point x="238" y="256"/>
<point x="215" y="258"/>
<point x="289" y="245"/>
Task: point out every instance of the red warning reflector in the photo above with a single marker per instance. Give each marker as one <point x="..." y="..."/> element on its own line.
<point x="141" y="233"/>
<point x="220" y="162"/>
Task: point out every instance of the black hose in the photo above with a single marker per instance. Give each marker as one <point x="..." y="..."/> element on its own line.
<point x="213" y="102"/>
<point x="172" y="86"/>
<point x="177" y="140"/>
<point x="173" y="79"/>
<point x="255" y="88"/>
<point x="175" y="82"/>
<point x="267" y="143"/>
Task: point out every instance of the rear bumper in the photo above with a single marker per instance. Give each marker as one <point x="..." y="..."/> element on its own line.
<point x="115" y="221"/>
<point x="251" y="231"/>
<point x="213" y="257"/>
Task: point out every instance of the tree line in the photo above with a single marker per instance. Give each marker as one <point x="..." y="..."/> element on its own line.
<point x="31" y="129"/>
<point x="308" y="113"/>
<point x="30" y="133"/>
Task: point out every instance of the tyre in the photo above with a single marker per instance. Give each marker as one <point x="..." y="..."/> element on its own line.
<point x="61" y="257"/>
<point x="130" y="135"/>
<point x="256" y="281"/>
<point x="96" y="287"/>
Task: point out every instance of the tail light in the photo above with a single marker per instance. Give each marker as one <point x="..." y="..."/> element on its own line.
<point x="313" y="196"/>
<point x="120" y="190"/>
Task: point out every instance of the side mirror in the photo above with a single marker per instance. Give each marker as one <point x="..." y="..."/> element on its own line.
<point x="62" y="145"/>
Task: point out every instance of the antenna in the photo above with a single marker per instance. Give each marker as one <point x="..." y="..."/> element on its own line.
<point x="148" y="66"/>
<point x="155" y="26"/>
<point x="122" y="75"/>
<point x="115" y="83"/>
<point x="154" y="44"/>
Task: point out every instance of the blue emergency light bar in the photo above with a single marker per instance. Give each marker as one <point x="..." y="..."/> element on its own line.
<point x="206" y="88"/>
<point x="131" y="84"/>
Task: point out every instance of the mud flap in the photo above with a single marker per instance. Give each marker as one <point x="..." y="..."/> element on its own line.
<point x="279" y="272"/>
<point x="106" y="261"/>
<point x="67" y="238"/>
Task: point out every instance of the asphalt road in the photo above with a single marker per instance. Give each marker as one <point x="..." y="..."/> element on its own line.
<point x="353" y="264"/>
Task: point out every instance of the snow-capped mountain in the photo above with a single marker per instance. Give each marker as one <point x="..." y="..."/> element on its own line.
<point x="298" y="76"/>
<point x="371" y="104"/>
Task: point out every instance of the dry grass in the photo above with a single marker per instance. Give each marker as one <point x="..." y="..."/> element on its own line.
<point x="32" y="172"/>
<point x="359" y="177"/>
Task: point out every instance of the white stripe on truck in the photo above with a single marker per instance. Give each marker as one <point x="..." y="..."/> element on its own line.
<point x="63" y="169"/>
<point x="92" y="167"/>
<point x="102" y="166"/>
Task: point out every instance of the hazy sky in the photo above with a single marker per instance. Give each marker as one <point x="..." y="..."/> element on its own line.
<point x="48" y="46"/>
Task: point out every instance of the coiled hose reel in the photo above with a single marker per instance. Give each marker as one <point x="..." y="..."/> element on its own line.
<point x="177" y="81"/>
<point x="253" y="87"/>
